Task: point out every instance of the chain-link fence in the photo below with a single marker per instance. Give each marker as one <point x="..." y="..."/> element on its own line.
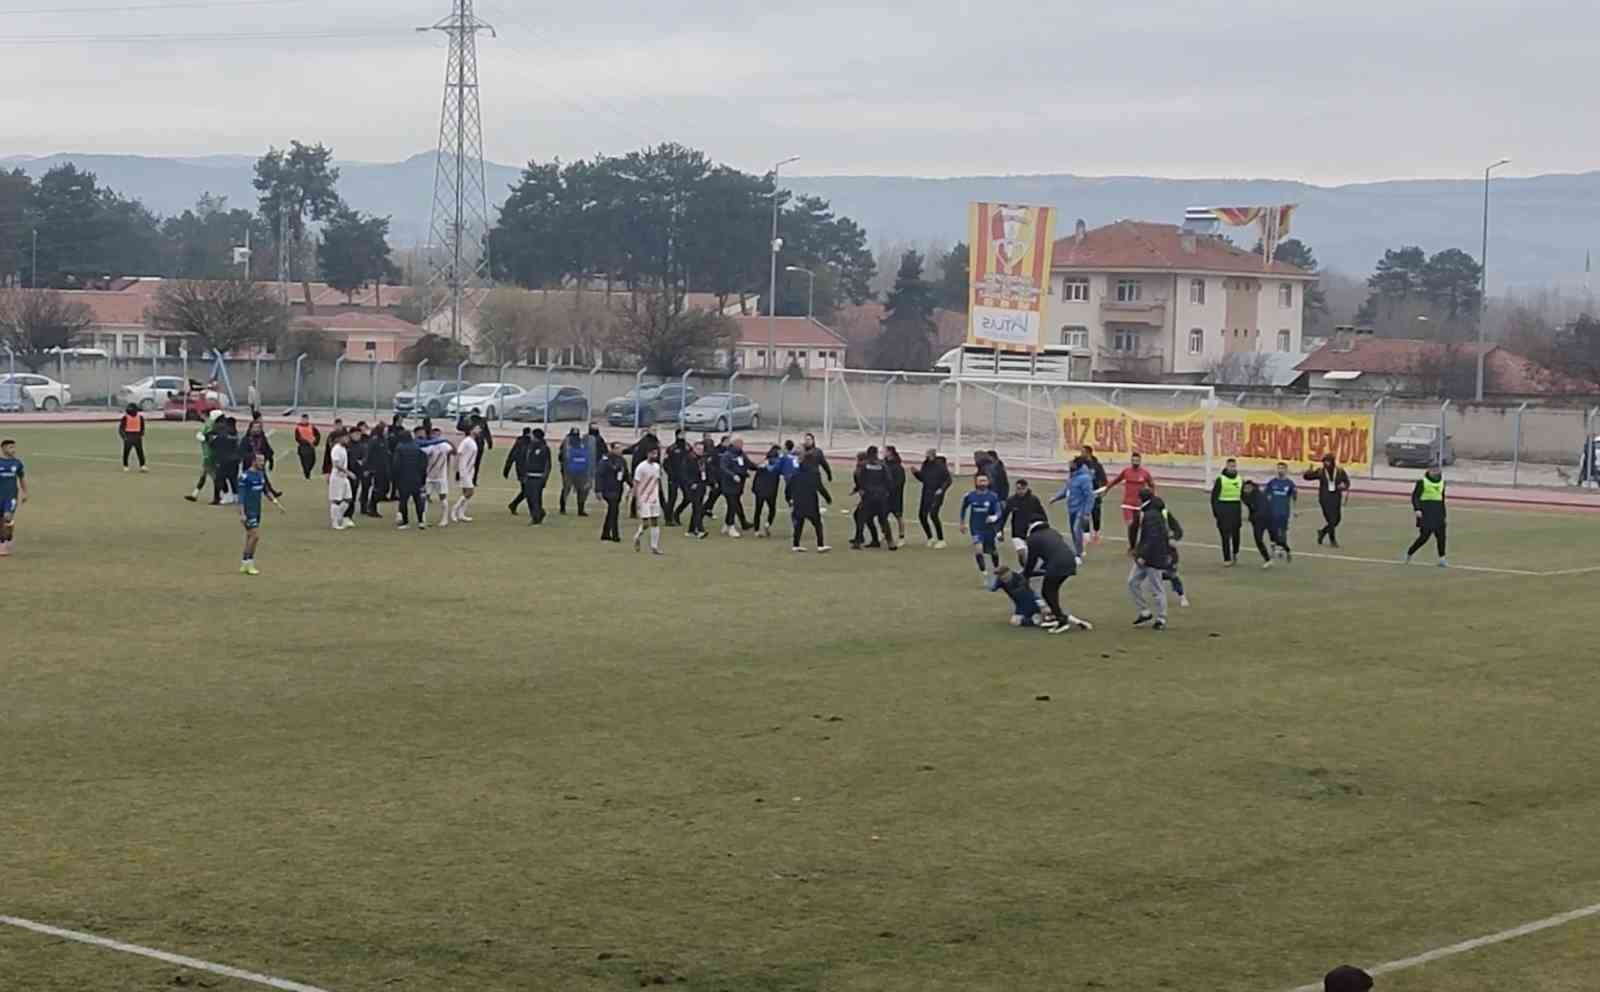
<point x="1500" y="443"/>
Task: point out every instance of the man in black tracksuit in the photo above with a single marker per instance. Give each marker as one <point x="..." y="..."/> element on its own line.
<point x="1052" y="558"/>
<point x="1023" y="509"/>
<point x="1255" y="501"/>
<point x="1427" y="502"/>
<point x="935" y="478"/>
<point x="1100" y="480"/>
<point x="611" y="477"/>
<point x="1333" y="487"/>
<point x="995" y="469"/>
<point x="805" y="493"/>
<point x="1227" y="497"/>
<point x="696" y="468"/>
<point x="356" y="452"/>
<point x="872" y="480"/>
<point x="808" y="445"/>
<point x="536" y="472"/>
<point x="408" y="468"/>
<point x="224" y="459"/>
<point x="676" y="470"/>
<point x="736" y="466"/>
<point x="517" y="458"/>
<point x="377" y="462"/>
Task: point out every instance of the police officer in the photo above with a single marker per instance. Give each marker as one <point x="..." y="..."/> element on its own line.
<point x="1227" y="508"/>
<point x="1427" y="501"/>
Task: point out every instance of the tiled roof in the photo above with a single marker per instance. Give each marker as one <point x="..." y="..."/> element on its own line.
<point x="1129" y="244"/>
<point x="355" y="321"/>
<point x="1505" y="372"/>
<point x="111" y="308"/>
<point x="787" y="332"/>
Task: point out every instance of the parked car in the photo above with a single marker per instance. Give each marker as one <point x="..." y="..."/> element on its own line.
<point x="11" y="398"/>
<point x="150" y="392"/>
<point x="41" y="391"/>
<point x="429" y="396"/>
<point x="723" y="412"/>
<point x="488" y="397"/>
<point x="191" y="405"/>
<point x="1418" y="444"/>
<point x="655" y="404"/>
<point x="565" y="403"/>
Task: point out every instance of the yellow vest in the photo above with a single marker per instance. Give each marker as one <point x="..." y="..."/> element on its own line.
<point x="1230" y="489"/>
<point x="1432" y="492"/>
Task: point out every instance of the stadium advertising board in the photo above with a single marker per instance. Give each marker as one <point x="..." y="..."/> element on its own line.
<point x="1258" y="438"/>
<point x="1010" y="263"/>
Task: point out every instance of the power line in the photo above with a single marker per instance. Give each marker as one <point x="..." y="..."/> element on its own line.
<point x="31" y="41"/>
<point x="168" y="5"/>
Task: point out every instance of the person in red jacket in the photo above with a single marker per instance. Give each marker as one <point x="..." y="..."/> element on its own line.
<point x="1133" y="478"/>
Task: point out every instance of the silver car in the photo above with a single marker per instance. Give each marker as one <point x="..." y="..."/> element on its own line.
<point x="723" y="412"/>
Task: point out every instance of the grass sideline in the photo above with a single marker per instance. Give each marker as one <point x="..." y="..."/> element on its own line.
<point x="502" y="757"/>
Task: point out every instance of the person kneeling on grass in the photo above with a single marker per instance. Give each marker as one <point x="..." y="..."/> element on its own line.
<point x="1026" y="609"/>
<point x="1051" y="558"/>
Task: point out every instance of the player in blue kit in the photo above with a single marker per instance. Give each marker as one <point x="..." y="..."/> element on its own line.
<point x="252" y="486"/>
<point x="1281" y="496"/>
<point x="13" y="493"/>
<point x="980" y="513"/>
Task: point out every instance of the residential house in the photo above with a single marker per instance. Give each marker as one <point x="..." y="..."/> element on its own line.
<point x="1359" y="363"/>
<point x="1157" y="302"/>
<point x="801" y="341"/>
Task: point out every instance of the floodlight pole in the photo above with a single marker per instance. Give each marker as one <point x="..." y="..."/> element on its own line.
<point x="683" y="396"/>
<point x="1483" y="277"/>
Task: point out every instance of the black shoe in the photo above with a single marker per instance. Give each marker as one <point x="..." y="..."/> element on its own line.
<point x="1143" y="619"/>
<point x="875" y="544"/>
<point x="1321" y="535"/>
<point x="1333" y="542"/>
<point x="855" y="545"/>
<point x="580" y="513"/>
<point x="192" y="499"/>
<point x="1160" y="625"/>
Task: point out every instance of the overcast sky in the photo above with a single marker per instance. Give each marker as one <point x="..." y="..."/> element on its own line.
<point x="1356" y="90"/>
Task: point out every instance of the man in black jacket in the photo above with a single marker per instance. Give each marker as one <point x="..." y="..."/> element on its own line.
<point x="804" y="493"/>
<point x="1227" y="498"/>
<point x="517" y="458"/>
<point x="611" y="477"/>
<point x="998" y="480"/>
<point x="1052" y="558"/>
<point x="1100" y="479"/>
<point x="1333" y="488"/>
<point x="356" y="452"/>
<point x="736" y="467"/>
<point x="1023" y="509"/>
<point x="485" y="442"/>
<point x="408" y="468"/>
<point x="674" y="462"/>
<point x="935" y="478"/>
<point x="536" y="472"/>
<point x="377" y="462"/>
<point x="696" y="469"/>
<point x="872" y="480"/>
<point x="1152" y="556"/>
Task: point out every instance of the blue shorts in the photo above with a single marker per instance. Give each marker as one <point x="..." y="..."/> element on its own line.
<point x="8" y="506"/>
<point x="986" y="540"/>
<point x="252" y="522"/>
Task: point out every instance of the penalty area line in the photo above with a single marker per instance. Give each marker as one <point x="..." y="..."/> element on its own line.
<point x="149" y="952"/>
<point x="1392" y="562"/>
<point x="1548" y="923"/>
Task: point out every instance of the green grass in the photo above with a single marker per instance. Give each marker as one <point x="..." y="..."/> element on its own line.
<point x="500" y="757"/>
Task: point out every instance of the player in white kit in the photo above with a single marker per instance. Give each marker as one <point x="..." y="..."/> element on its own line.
<point x="466" y="467"/>
<point x="339" y="491"/>
<point x="438" y="451"/>
<point x="647" y="494"/>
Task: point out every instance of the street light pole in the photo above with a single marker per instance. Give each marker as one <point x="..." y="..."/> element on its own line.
<point x="772" y="283"/>
<point x="811" y="289"/>
<point x="1483" y="275"/>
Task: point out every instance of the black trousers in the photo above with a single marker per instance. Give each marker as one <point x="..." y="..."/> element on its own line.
<point x="133" y="443"/>
<point x="608" y="529"/>
<point x="1425" y="531"/>
<point x="533" y="492"/>
<point x="1230" y="521"/>
<point x="409" y="498"/>
<point x="522" y="492"/>
<point x="363" y="492"/>
<point x="870" y="515"/>
<point x="578" y="485"/>
<point x="694" y="499"/>
<point x="1332" y="516"/>
<point x="812" y="517"/>
<point x="1278" y="531"/>
<point x="379" y="492"/>
<point x="686" y="497"/>
<point x="670" y="507"/>
<point x="222" y="480"/>
<point x="1259" y="529"/>
<point x="770" y="504"/>
<point x="928" y="513"/>
<point x="735" y="498"/>
<point x="1050" y="589"/>
<point x="308" y="457"/>
<point x="1096" y="514"/>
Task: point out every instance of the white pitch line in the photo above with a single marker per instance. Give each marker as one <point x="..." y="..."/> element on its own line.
<point x="1388" y="561"/>
<point x="1426" y="957"/>
<point x="150" y="952"/>
<point x="1573" y="571"/>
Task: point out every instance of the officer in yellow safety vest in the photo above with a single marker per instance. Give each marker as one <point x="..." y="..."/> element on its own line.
<point x="1427" y="501"/>
<point x="1227" y="508"/>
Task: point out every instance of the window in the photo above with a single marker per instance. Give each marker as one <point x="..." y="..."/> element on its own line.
<point x="1286" y="295"/>
<point x="1197" y="341"/>
<point x="1283" y="340"/>
<point x="1075" y="290"/>
<point x="372" y="346"/>
<point x="1128" y="290"/>
<point x="1197" y="291"/>
<point x="1125" y="341"/>
<point x="1075" y="336"/>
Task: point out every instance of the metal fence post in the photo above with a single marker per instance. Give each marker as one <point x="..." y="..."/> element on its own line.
<point x="183" y="355"/>
<point x="994" y="429"/>
<point x="938" y="416"/>
<point x="298" y="362"/>
<point x="256" y="379"/>
<point x="1372" y="458"/>
<point x="338" y="370"/>
<point x="549" y="394"/>
<point x="1444" y="435"/>
<point x="683" y="395"/>
<point x="12" y="388"/>
<point x="110" y="365"/>
<point x="827" y="409"/>
<point x="373" y="369"/>
<point x="589" y="402"/>
<point x="727" y="404"/>
<point x="500" y="411"/>
<point x="781" y="384"/>
<point x="1516" y="445"/>
<point x="638" y="399"/>
<point x="461" y="408"/>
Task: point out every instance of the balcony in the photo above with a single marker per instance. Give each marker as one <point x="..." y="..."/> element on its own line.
<point x="1151" y="314"/>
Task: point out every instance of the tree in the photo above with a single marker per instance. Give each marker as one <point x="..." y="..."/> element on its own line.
<point x="1299" y="254"/>
<point x="906" y="340"/>
<point x="224" y="314"/>
<point x="35" y="321"/>
<point x="668" y="340"/>
<point x="420" y="302"/>
<point x="955" y="278"/>
<point x="354" y="251"/>
<point x="1412" y="294"/>
<point x="1242" y="368"/>
<point x="527" y="244"/>
<point x="199" y="243"/>
<point x="1447" y="369"/>
<point x="1450" y="283"/>
<point x="437" y="349"/>
<point x="303" y="338"/>
<point x="16" y="210"/>
<point x="87" y="232"/>
<point x="297" y="186"/>
<point x="513" y="322"/>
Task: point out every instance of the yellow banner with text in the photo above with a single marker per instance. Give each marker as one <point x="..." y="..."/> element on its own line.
<point x="1257" y="438"/>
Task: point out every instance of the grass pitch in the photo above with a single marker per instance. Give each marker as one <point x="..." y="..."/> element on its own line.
<point x="503" y="757"/>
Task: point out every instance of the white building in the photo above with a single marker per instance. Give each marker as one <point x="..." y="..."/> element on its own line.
<point x="801" y="342"/>
<point x="1150" y="301"/>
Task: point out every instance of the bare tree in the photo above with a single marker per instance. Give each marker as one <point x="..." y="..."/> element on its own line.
<point x="1242" y="368"/>
<point x="667" y="339"/>
<point x="305" y="338"/>
<point x="1447" y="369"/>
<point x="36" y="322"/>
<point x="223" y="314"/>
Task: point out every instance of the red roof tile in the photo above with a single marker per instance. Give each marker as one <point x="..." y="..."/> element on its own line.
<point x="1505" y="372"/>
<point x="787" y="332"/>
<point x="355" y="321"/>
<point x="1129" y="244"/>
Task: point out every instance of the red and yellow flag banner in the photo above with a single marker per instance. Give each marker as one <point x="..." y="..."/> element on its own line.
<point x="1257" y="438"/>
<point x="1010" y="255"/>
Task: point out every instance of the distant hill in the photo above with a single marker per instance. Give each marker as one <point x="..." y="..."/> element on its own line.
<point x="1542" y="226"/>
